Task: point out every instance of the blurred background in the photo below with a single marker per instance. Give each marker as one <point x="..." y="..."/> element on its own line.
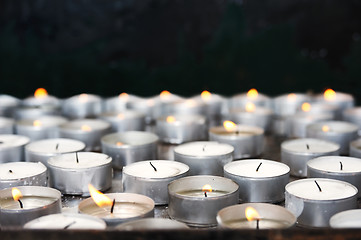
<point x="146" y="46"/>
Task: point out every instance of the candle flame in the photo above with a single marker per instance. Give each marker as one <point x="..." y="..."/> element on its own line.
<point x="124" y="96"/>
<point x="205" y="95"/>
<point x="291" y="97"/>
<point x="252" y="93"/>
<point x="119" y="144"/>
<point x="40" y="93"/>
<point x="86" y="128"/>
<point x="165" y="94"/>
<point x="251" y="214"/>
<point x="120" y="116"/>
<point x="306" y="107"/>
<point x="229" y="125"/>
<point x="207" y="188"/>
<point x="325" y="128"/>
<point x="329" y="94"/>
<point x="16" y="194"/>
<point x="170" y="119"/>
<point x="37" y="123"/>
<point x="99" y="198"/>
<point x="250" y="107"/>
<point x="83" y="97"/>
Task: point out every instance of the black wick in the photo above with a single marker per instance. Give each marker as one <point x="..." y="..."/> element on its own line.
<point x="319" y="188"/>
<point x="204" y="148"/>
<point x="308" y="147"/>
<point x="341" y="166"/>
<point x="76" y="155"/>
<point x="67" y="226"/>
<point x="112" y="208"/>
<point x="21" y="204"/>
<point x="257" y="224"/>
<point x="205" y="194"/>
<point x="10" y="171"/>
<point x="153" y="166"/>
<point x="258" y="167"/>
<point x="57" y="146"/>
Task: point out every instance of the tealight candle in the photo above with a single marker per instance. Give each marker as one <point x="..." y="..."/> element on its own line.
<point x="88" y="131"/>
<point x="196" y="200"/>
<point x="14" y="174"/>
<point x="41" y="128"/>
<point x="41" y="99"/>
<point x="163" y="100"/>
<point x="66" y="221"/>
<point x="152" y="224"/>
<point x="181" y="128"/>
<point x="346" y="219"/>
<point x="12" y="147"/>
<point x="353" y="115"/>
<point x="27" y="203"/>
<point x="125" y="120"/>
<point x="260" y="180"/>
<point x="204" y="157"/>
<point x="355" y="148"/>
<point x="252" y="96"/>
<point x="312" y="108"/>
<point x="34" y="113"/>
<point x="297" y="152"/>
<point x="287" y="104"/>
<point x="346" y="169"/>
<point x="300" y="121"/>
<point x="72" y="172"/>
<point x="255" y="216"/>
<point x="129" y="147"/>
<point x="6" y="125"/>
<point x="335" y="131"/>
<point x="184" y="107"/>
<point x="145" y="106"/>
<point x="82" y="106"/>
<point x="116" y="208"/>
<point x="117" y="104"/>
<point x="342" y="100"/>
<point x="151" y="178"/>
<point x="315" y="200"/>
<point x="214" y="105"/>
<point x="8" y="105"/>
<point x="42" y="150"/>
<point x="248" y="141"/>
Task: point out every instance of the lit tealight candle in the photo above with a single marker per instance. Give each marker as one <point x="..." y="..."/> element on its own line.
<point x="253" y="96"/>
<point x="125" y="120"/>
<point x="41" y="98"/>
<point x="12" y="147"/>
<point x="6" y="125"/>
<point x="118" y="103"/>
<point x="8" y="105"/>
<point x="300" y="121"/>
<point x="82" y="106"/>
<point x="214" y="105"/>
<point x="145" y="106"/>
<point x="342" y="100"/>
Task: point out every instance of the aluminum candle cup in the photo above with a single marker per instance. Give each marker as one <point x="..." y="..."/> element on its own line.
<point x="71" y="173"/>
<point x="241" y="100"/>
<point x="353" y="115"/>
<point x="41" y="151"/>
<point x="270" y="216"/>
<point x="6" y="125"/>
<point x="152" y="224"/>
<point x="151" y="178"/>
<point x="145" y="106"/>
<point x="300" y="121"/>
<point x="297" y="152"/>
<point x="346" y="219"/>
<point x="189" y="203"/>
<point x="178" y="129"/>
<point x="36" y="201"/>
<point x="184" y="107"/>
<point x="46" y="101"/>
<point x="213" y="104"/>
<point x="125" y="121"/>
<point x="281" y="125"/>
<point x="88" y="131"/>
<point x="259" y="180"/>
<point x="12" y="147"/>
<point x="117" y="104"/>
<point x="42" y="128"/>
<point x="315" y="200"/>
<point x="248" y="141"/>
<point x="204" y="157"/>
<point x="346" y="169"/>
<point x="34" y="113"/>
<point x="14" y="174"/>
<point x="82" y="106"/>
<point x="128" y="147"/>
<point x="342" y="100"/>
<point x="355" y="148"/>
<point x="66" y="221"/>
<point x="8" y="105"/>
<point x="286" y="105"/>
<point x="335" y="131"/>
<point x="127" y="207"/>
<point x="319" y="108"/>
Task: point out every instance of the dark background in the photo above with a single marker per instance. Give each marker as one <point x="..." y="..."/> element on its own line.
<point x="142" y="47"/>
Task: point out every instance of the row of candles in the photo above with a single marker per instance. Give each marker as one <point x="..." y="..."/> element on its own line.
<point x="62" y="164"/>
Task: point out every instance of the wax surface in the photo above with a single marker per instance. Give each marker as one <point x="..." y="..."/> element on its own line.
<point x="18" y="170"/>
<point x="60" y="221"/>
<point x="334" y="127"/>
<point x="86" y="160"/>
<point x="243" y="223"/>
<point x="204" y="149"/>
<point x="121" y="210"/>
<point x="57" y="145"/>
<point x="332" y="164"/>
<point x="164" y="169"/>
<point x="248" y="168"/>
<point x="199" y="193"/>
<point x="8" y="140"/>
<point x="29" y="202"/>
<point x="314" y="146"/>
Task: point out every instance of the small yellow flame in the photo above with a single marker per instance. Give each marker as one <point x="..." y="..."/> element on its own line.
<point x="124" y="96"/>
<point x="37" y="123"/>
<point x="229" y="125"/>
<point x="205" y="95"/>
<point x="165" y="94"/>
<point x="83" y="97"/>
<point x="329" y="94"/>
<point x="252" y="94"/>
<point x="306" y="107"/>
<point x="291" y="97"/>
<point x="325" y="128"/>
<point x="250" y="107"/>
<point x="86" y="128"/>
<point x="120" y="116"/>
<point x="251" y="214"/>
<point x="16" y="194"/>
<point x="99" y="198"/>
<point x="170" y="119"/>
<point x="207" y="188"/>
<point x="119" y="144"/>
<point x="40" y="93"/>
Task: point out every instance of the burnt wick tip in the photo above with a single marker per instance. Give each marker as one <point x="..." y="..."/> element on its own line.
<point x="70" y="224"/>
<point x="21" y="204"/>
<point x="319" y="188"/>
<point x="112" y="208"/>
<point x="10" y="171"/>
<point x="205" y="194"/>
<point x="308" y="147"/>
<point x="57" y="146"/>
<point x="153" y="166"/>
<point x="77" y="158"/>
<point x="341" y="166"/>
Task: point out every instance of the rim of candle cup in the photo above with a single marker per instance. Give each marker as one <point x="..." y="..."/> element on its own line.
<point x="5" y="180"/>
<point x="107" y="139"/>
<point x="8" y="101"/>
<point x="221" y="131"/>
<point x="355" y="146"/>
<point x="265" y="210"/>
<point x="333" y="172"/>
<point x="55" y="140"/>
<point x="91" y="98"/>
<point x="36" y="191"/>
<point x="337" y="220"/>
<point x="108" y="160"/>
<point x="155" y="179"/>
<point x="151" y="224"/>
<point x="291" y="141"/>
<point x="30" y="224"/>
<point x="21" y="141"/>
<point x="192" y="155"/>
<point x="74" y="126"/>
<point x="316" y="127"/>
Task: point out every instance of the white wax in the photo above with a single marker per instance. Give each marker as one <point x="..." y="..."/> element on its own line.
<point x="9" y="140"/>
<point x="42" y="122"/>
<point x="331" y="189"/>
<point x="346" y="219"/>
<point x="20" y="170"/>
<point x="8" y="101"/>
<point x="332" y="164"/>
<point x="82" y="99"/>
<point x="55" y="145"/>
<point x="94" y="124"/>
<point x="248" y="168"/>
<point x="164" y="168"/>
<point x="86" y="160"/>
<point x="41" y="101"/>
<point x="334" y="127"/>
<point x="66" y="221"/>
<point x="204" y="149"/>
<point x="314" y="146"/>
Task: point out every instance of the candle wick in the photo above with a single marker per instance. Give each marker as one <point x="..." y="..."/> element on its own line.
<point x="112" y="208"/>
<point x="341" y="166"/>
<point x="258" y="167"/>
<point x="153" y="166"/>
<point x="77" y="158"/>
<point x="21" y="204"/>
<point x="204" y="148"/>
<point x="308" y="147"/>
<point x="70" y="224"/>
<point x="205" y="194"/>
<point x="257" y="224"/>
<point x="319" y="188"/>
<point x="10" y="171"/>
<point x="1" y="142"/>
<point x="57" y="146"/>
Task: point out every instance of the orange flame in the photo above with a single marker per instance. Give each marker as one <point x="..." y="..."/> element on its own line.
<point x="329" y="94"/>
<point x="16" y="194"/>
<point x="250" y="107"/>
<point x="40" y="93"/>
<point x="120" y="116"/>
<point x="165" y="94"/>
<point x="207" y="188"/>
<point x="252" y="93"/>
<point x="325" y="128"/>
<point x="170" y="119"/>
<point x="291" y="97"/>
<point x="99" y="198"/>
<point x="251" y="214"/>
<point x="306" y="107"/>
<point x="86" y="128"/>
<point x="119" y="144"/>
<point x="37" y="123"/>
<point x="83" y="97"/>
<point x="123" y="96"/>
<point x="229" y="125"/>
<point x="205" y="95"/>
